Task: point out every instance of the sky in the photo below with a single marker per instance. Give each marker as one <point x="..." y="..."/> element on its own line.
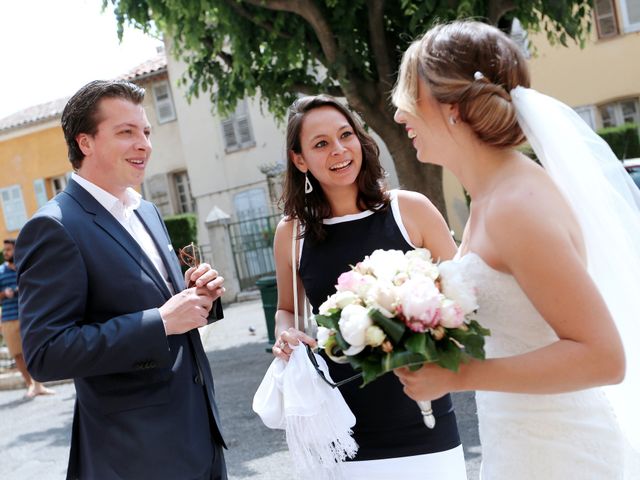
<point x="50" y="48"/>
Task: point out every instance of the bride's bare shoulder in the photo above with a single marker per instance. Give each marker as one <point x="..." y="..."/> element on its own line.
<point x="528" y="207"/>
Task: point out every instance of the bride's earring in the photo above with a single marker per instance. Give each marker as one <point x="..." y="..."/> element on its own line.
<point x="308" y="188"/>
<point x="452" y="120"/>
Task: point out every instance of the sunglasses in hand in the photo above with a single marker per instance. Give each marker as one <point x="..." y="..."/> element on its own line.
<point x="314" y="362"/>
<point x="191" y="257"/>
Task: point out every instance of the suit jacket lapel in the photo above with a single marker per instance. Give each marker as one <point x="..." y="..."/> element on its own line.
<point x="150" y="219"/>
<point x="115" y="230"/>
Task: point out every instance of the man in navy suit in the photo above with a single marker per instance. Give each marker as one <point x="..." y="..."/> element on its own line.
<point x="103" y="301"/>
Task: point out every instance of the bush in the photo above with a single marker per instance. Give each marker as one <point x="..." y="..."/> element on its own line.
<point x="624" y="140"/>
<point x="183" y="229"/>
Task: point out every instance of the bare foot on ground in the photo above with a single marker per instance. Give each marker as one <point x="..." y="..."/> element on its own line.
<point x="36" y="388"/>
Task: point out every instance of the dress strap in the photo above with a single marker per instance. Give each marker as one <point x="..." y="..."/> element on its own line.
<point x="395" y="209"/>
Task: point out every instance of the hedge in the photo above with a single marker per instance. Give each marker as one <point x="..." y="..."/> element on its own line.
<point x="624" y="140"/>
<point x="183" y="229"/>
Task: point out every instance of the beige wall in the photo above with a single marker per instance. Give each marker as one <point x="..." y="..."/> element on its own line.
<point x="604" y="70"/>
<point x="167" y="156"/>
<point x="215" y="174"/>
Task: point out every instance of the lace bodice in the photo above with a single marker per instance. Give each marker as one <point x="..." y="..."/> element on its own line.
<point x="551" y="437"/>
<point x="516" y="326"/>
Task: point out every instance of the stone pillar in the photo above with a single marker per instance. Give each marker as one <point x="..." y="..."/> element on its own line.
<point x="221" y="253"/>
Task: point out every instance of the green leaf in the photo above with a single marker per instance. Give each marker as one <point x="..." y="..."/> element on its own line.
<point x="479" y="329"/>
<point x="327" y="321"/>
<point x="341" y="342"/>
<point x="450" y="355"/>
<point x="399" y="359"/>
<point x="423" y="344"/>
<point x="393" y="328"/>
<point x="370" y="365"/>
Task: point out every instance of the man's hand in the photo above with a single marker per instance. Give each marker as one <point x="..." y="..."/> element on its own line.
<point x="206" y="278"/>
<point x="186" y="310"/>
<point x="8" y="293"/>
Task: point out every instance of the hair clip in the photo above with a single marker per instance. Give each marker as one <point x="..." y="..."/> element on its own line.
<point x="478" y="75"/>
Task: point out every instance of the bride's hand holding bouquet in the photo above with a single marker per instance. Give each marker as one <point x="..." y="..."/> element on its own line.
<point x="398" y="309"/>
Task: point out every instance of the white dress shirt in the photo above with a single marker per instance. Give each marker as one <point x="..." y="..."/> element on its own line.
<point x="124" y="214"/>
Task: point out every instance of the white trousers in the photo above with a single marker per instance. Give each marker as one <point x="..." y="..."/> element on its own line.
<point x="447" y="465"/>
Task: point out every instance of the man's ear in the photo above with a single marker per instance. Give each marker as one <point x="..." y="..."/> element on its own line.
<point x="298" y="160"/>
<point x="85" y="143"/>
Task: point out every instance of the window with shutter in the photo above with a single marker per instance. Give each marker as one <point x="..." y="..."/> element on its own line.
<point x="229" y="132"/>
<point x="244" y="130"/>
<point x="587" y="113"/>
<point x="165" y="110"/>
<point x="630" y="10"/>
<point x="237" y="129"/>
<point x="58" y="184"/>
<point x="618" y="113"/>
<point x="15" y="214"/>
<point x="41" y="192"/>
<point x="182" y="188"/>
<point x="606" y="22"/>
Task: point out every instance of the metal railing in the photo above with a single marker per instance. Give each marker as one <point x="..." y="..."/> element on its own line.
<point x="252" y="247"/>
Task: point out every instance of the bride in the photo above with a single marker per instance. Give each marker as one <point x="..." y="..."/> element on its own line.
<point x="550" y="251"/>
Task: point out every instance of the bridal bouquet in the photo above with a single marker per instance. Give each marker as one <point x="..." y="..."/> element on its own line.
<point x="395" y="309"/>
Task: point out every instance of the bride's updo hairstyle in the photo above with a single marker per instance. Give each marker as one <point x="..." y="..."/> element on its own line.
<point x="474" y="66"/>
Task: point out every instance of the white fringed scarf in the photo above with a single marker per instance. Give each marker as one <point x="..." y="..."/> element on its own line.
<point x="315" y="417"/>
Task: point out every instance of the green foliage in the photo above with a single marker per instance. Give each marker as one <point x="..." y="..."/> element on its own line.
<point x="392" y="327"/>
<point x="408" y="348"/>
<point x="183" y="229"/>
<point x="233" y="48"/>
<point x="624" y="140"/>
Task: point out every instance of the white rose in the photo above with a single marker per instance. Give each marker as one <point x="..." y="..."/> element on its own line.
<point x="456" y="287"/>
<point x="374" y="336"/>
<point x="353" y="323"/>
<point x="384" y="264"/>
<point x="365" y="285"/>
<point x="327" y="305"/>
<point x="419" y="253"/>
<point x="400" y="278"/>
<point x="419" y="267"/>
<point x="344" y="298"/>
<point x="323" y="335"/>
<point x="384" y="297"/>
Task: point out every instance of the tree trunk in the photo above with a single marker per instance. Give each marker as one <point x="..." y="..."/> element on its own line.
<point x="412" y="174"/>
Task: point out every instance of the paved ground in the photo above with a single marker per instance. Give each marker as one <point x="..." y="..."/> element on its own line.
<point x="34" y="441"/>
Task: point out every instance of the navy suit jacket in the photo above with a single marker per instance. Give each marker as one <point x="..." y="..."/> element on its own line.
<point x="89" y="298"/>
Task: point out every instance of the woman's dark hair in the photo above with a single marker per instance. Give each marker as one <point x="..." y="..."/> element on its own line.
<point x="81" y="114"/>
<point x="312" y="208"/>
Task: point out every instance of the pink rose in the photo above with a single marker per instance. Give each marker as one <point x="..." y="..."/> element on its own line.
<point x="350" y="281"/>
<point x="452" y="314"/>
<point x="420" y="303"/>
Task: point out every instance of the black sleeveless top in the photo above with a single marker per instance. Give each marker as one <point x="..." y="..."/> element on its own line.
<point x="388" y="423"/>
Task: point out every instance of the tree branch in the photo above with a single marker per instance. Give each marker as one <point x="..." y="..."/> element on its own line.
<point x="308" y="10"/>
<point x="497" y="8"/>
<point x="226" y="58"/>
<point x="245" y="14"/>
<point x="378" y="41"/>
<point x="335" y="91"/>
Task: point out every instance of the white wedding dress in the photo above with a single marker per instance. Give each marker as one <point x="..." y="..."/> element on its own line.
<point x="569" y="436"/>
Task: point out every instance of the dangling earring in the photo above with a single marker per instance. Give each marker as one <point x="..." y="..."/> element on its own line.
<point x="308" y="188"/>
<point x="452" y="120"/>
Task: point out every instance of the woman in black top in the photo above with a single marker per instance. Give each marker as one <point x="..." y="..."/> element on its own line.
<point x="334" y="187"/>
